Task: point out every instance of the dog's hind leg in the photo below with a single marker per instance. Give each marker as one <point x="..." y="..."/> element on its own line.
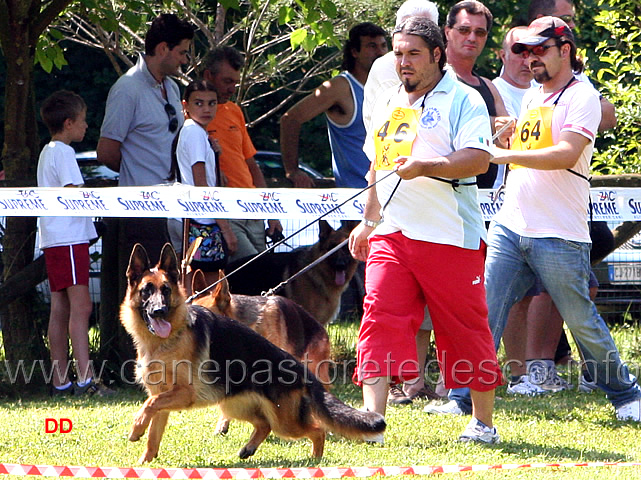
<point x="156" y="430"/>
<point x="222" y="426"/>
<point x="261" y="430"/>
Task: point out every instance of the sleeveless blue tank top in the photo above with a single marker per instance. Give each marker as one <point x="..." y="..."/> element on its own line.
<point x="349" y="162"/>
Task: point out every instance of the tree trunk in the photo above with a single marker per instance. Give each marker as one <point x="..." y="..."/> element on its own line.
<point x="21" y="23"/>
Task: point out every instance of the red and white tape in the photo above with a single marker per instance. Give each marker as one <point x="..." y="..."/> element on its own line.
<point x="275" y="473"/>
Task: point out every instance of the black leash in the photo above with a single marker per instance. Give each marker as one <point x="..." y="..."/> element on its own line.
<point x="280" y="242"/>
<point x="272" y="291"/>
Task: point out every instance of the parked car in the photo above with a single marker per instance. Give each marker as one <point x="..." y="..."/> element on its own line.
<point x="94" y="173"/>
<point x="619" y="275"/>
<point x="271" y="164"/>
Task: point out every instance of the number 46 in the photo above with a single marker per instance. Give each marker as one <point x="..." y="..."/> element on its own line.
<point x="399" y="135"/>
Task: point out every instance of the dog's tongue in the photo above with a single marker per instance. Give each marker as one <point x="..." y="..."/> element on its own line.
<point x="340" y="277"/>
<point x="161" y="327"/>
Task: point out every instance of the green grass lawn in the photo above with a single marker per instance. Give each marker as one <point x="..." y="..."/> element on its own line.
<point x="565" y="427"/>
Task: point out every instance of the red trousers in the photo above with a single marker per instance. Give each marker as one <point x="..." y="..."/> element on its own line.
<point x="402" y="276"/>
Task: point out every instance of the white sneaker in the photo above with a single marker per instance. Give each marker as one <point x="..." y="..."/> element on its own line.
<point x="554" y="383"/>
<point x="537" y="373"/>
<point x="524" y="387"/>
<point x="546" y="378"/>
<point x="449" y="408"/>
<point x="477" y="431"/>
<point x="630" y="411"/>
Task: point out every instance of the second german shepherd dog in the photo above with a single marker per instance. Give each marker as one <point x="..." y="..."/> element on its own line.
<point x="281" y="321"/>
<point x="190" y="357"/>
<point x="319" y="289"/>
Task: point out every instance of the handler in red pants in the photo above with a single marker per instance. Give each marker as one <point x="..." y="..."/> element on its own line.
<point x="430" y="248"/>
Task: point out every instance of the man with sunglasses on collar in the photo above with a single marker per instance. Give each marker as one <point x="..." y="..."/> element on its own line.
<point x="535" y="327"/>
<point x="542" y="227"/>
<point x="142" y="115"/>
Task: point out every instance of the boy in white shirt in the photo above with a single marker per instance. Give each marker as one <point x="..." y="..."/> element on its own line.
<point x="65" y="242"/>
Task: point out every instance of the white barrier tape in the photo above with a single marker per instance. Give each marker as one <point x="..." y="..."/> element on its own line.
<point x="277" y="473"/>
<point x="179" y="201"/>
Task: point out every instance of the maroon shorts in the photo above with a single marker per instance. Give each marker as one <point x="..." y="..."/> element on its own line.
<point x="67" y="265"/>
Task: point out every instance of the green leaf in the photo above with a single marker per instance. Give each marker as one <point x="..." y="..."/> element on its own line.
<point x="329" y="8"/>
<point x="310" y="43"/>
<point x="132" y="19"/>
<point x="312" y="16"/>
<point x="59" y="59"/>
<point x="297" y="37"/>
<point x="285" y="15"/>
<point x="57" y="34"/>
<point x="89" y="4"/>
<point x="44" y="61"/>
<point x="326" y="29"/>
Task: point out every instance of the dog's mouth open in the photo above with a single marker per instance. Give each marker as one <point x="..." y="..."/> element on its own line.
<point x="158" y="326"/>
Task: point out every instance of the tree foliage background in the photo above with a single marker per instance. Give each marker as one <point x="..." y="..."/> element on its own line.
<point x="290" y="47"/>
<point x="276" y="74"/>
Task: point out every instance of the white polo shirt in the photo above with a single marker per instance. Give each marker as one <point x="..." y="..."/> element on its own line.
<point x="453" y="117"/>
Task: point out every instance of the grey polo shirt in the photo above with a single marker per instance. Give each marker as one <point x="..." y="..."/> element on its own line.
<point x="135" y="116"/>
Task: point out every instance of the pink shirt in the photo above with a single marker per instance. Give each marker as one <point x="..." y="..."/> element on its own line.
<point x="555" y="203"/>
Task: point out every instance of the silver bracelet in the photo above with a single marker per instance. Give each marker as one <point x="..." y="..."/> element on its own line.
<point x="371" y="223"/>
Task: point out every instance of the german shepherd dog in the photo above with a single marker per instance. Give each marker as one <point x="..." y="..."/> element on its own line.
<point x="319" y="289"/>
<point x="190" y="357"/>
<point x="281" y="321"/>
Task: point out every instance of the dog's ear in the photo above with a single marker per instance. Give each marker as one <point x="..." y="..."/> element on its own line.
<point x="198" y="282"/>
<point x="221" y="293"/>
<point x="169" y="263"/>
<point x="138" y="264"/>
<point x="324" y="230"/>
<point x="349" y="225"/>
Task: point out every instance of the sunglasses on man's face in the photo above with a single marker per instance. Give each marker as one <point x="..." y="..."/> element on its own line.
<point x="465" y="31"/>
<point x="171" y="113"/>
<point x="538" y="50"/>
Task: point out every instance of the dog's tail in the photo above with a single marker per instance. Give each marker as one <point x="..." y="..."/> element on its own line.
<point x="343" y="419"/>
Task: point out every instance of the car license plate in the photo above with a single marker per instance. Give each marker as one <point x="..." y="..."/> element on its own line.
<point x="625" y="272"/>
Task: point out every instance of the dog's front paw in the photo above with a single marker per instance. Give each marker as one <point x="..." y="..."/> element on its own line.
<point x="137" y="431"/>
<point x="139" y="427"/>
<point x="246" y="451"/>
<point x="148" y="456"/>
<point x="134" y="436"/>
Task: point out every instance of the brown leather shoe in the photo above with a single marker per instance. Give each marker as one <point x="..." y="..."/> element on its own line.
<point x="397" y="397"/>
<point x="425" y="393"/>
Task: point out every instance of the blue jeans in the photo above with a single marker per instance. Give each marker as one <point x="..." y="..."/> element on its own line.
<point x="511" y="266"/>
